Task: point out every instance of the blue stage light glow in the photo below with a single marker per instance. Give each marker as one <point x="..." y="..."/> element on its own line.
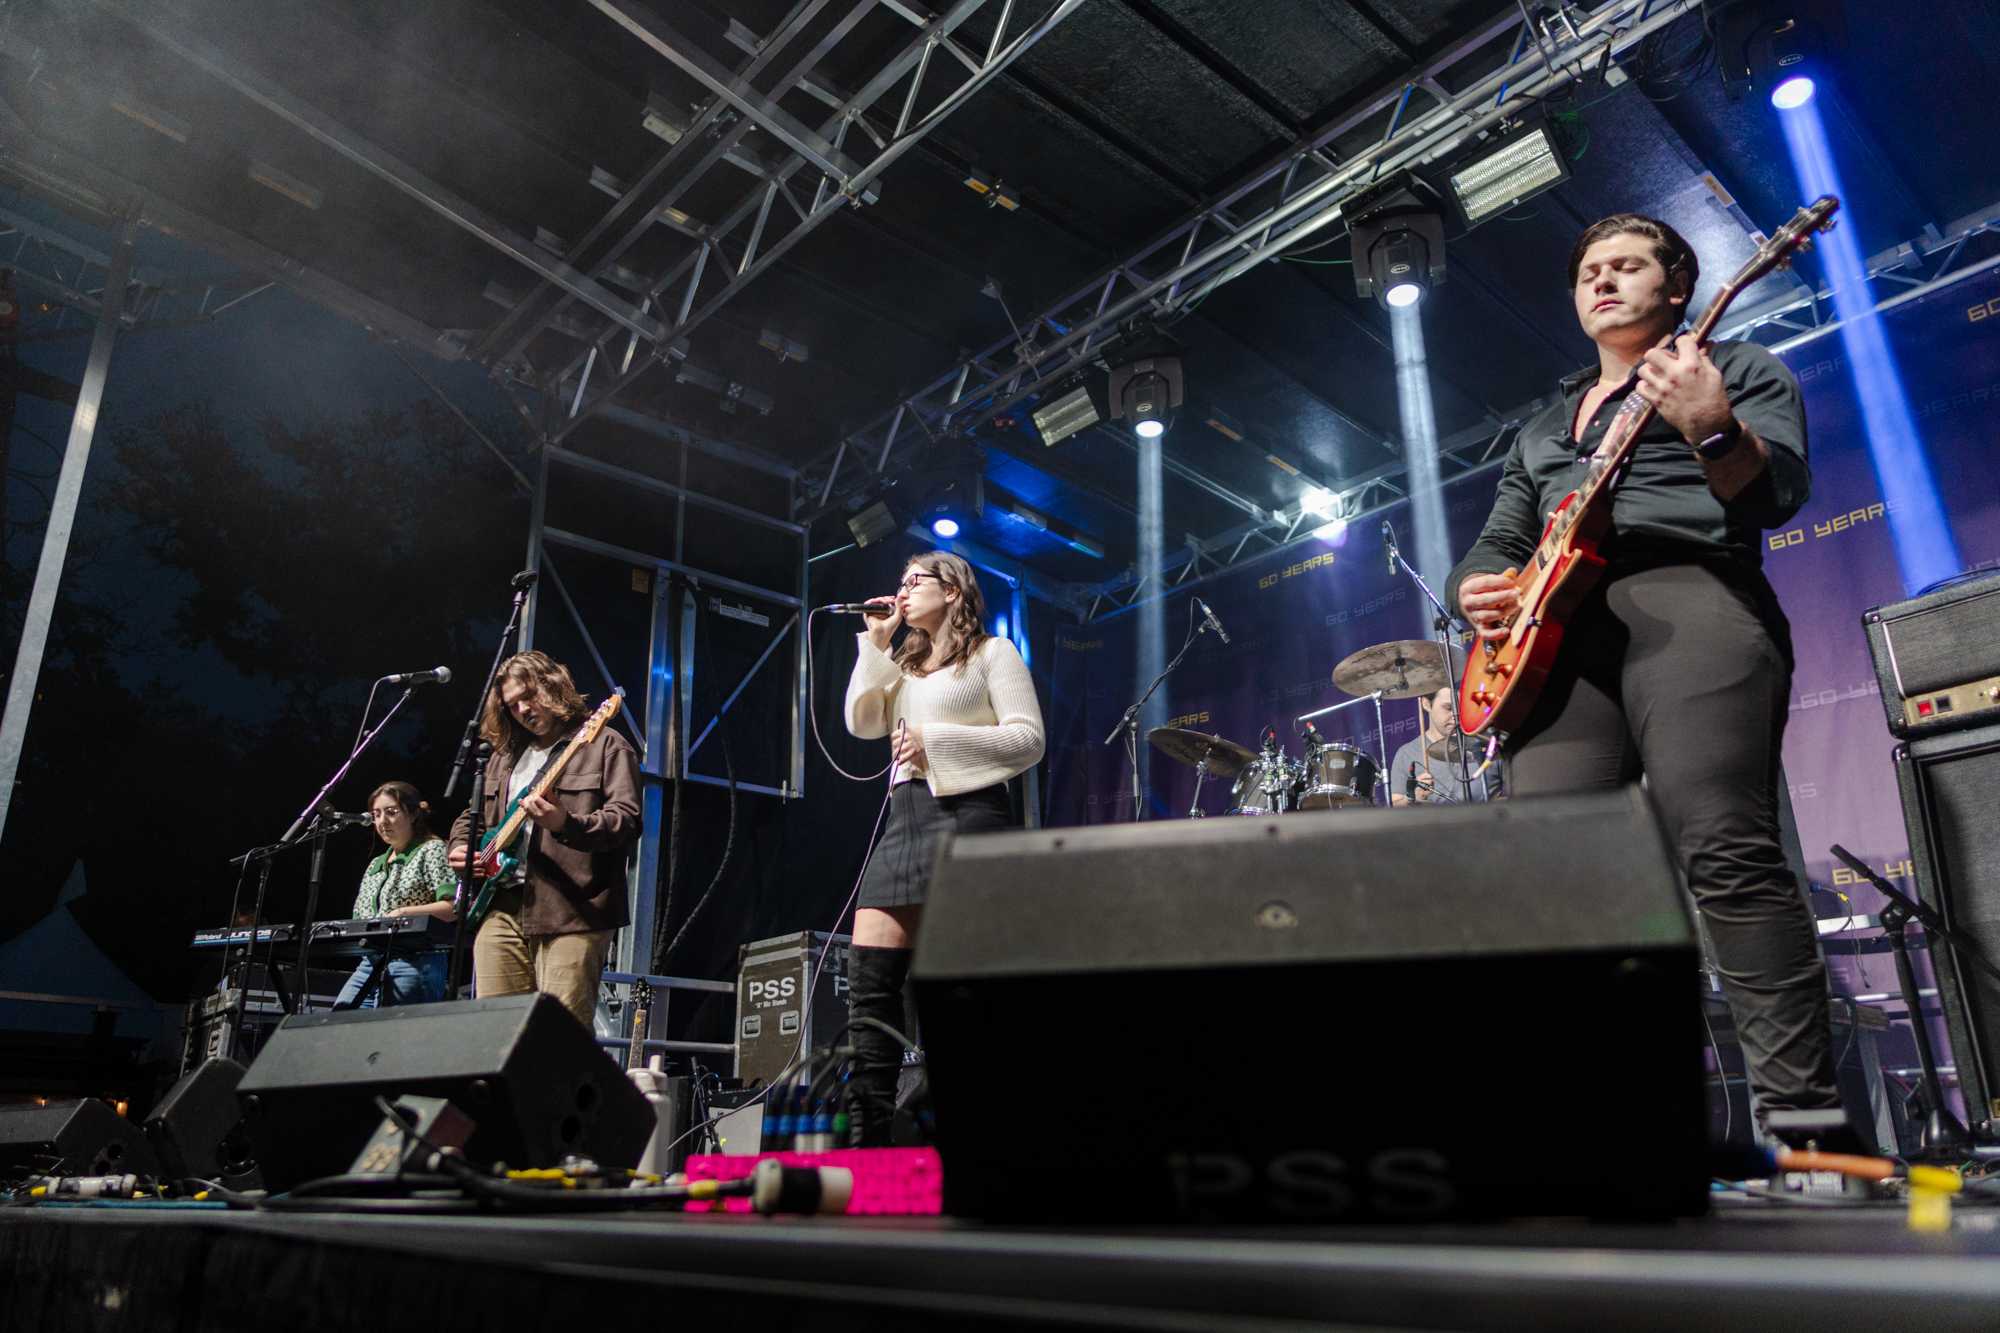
<point x="946" y="528"/>
<point x="999" y="627"/>
<point x="1925" y="548"/>
<point x="1429" y="543"/>
<point x="1793" y="93"/>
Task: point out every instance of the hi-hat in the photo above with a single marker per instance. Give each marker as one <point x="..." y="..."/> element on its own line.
<point x="1225" y="758"/>
<point x="1400" y="669"/>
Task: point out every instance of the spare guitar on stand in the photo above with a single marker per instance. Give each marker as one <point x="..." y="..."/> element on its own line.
<point x="1502" y="681"/>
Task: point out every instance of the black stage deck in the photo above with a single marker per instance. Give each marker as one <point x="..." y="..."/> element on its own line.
<point x="1750" y="1267"/>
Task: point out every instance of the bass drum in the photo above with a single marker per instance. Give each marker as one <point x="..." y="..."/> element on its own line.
<point x="1338" y="775"/>
<point x="1267" y="786"/>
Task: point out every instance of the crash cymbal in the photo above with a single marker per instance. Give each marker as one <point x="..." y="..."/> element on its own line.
<point x="1225" y="758"/>
<point x="1400" y="669"/>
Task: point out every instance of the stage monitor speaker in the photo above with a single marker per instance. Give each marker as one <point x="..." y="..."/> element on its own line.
<point x="81" y="1137"/>
<point x="197" y="1129"/>
<point x="532" y="1078"/>
<point x="1470" y="1011"/>
<point x="1937" y="657"/>
<point x="1949" y="787"/>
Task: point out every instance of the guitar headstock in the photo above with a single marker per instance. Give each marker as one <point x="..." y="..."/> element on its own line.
<point x="1787" y="241"/>
<point x="596" y="723"/>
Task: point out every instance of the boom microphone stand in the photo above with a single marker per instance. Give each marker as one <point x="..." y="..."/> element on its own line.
<point x="1441" y="625"/>
<point x="1943" y="1136"/>
<point x="1128" y="725"/>
<point x="476" y="752"/>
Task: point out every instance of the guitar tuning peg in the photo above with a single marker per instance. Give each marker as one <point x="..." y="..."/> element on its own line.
<point x="1829" y="224"/>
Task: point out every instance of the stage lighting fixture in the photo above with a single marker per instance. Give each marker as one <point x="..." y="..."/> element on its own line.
<point x="664" y="119"/>
<point x="1503" y="173"/>
<point x="1794" y="92"/>
<point x="1772" y="48"/>
<point x="1319" y="502"/>
<point x="1065" y="416"/>
<point x="874" y="523"/>
<point x="945" y="526"/>
<point x="1398" y="253"/>
<point x="1145" y="394"/>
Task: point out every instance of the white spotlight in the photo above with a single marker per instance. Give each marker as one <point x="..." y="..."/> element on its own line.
<point x="1402" y="294"/>
<point x="1793" y="93"/>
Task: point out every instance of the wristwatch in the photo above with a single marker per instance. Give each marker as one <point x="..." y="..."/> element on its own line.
<point x="1720" y="444"/>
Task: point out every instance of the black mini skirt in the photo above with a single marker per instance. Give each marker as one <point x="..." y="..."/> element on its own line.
<point x="899" y="874"/>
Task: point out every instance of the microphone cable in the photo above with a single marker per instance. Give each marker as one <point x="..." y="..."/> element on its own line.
<point x="812" y="711"/>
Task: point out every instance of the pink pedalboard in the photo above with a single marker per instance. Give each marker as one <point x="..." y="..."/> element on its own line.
<point x="888" y="1182"/>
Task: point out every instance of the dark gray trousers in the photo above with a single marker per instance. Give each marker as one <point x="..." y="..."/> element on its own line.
<point x="1684" y="672"/>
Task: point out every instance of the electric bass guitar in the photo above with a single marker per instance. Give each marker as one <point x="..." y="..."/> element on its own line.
<point x="1501" y="682"/>
<point x="494" y="858"/>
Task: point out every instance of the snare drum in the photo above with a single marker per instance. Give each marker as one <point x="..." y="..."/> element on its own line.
<point x="1267" y="786"/>
<point x="1337" y="775"/>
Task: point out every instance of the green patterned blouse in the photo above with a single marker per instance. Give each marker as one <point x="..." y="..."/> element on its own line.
<point x="405" y="879"/>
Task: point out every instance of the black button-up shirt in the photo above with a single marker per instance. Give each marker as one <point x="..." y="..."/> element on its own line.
<point x="1662" y="509"/>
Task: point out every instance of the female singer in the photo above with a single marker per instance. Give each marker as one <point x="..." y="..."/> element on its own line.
<point x="409" y="879"/>
<point x="962" y="715"/>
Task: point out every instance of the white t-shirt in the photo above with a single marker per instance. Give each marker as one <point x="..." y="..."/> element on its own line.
<point x="529" y="767"/>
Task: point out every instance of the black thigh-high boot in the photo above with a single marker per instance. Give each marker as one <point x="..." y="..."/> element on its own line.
<point x="875" y="980"/>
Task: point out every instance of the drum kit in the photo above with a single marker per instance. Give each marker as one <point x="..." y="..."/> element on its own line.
<point x="1329" y="775"/>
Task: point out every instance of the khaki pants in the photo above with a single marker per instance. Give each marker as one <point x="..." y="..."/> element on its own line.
<point x="506" y="962"/>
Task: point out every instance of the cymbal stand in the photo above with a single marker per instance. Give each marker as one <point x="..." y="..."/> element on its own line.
<point x="1442" y="623"/>
<point x="1200" y="775"/>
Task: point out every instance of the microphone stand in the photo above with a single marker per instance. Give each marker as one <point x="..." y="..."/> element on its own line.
<point x="1442" y="622"/>
<point x="1943" y="1137"/>
<point x="476" y="752"/>
<point x="1128" y="725"/>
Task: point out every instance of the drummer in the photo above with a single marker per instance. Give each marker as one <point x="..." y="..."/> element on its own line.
<point x="1426" y="769"/>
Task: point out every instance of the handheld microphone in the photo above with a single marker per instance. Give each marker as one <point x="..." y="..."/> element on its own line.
<point x="1389" y="546"/>
<point x="435" y="676"/>
<point x="1209" y="620"/>
<point x="860" y="609"/>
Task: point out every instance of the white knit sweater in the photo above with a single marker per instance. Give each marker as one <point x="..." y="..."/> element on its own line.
<point x="981" y="723"/>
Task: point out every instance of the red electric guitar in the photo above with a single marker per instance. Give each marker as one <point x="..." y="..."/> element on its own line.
<point x="1501" y="681"/>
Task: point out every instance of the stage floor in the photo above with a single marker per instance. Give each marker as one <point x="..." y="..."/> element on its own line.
<point x="1748" y="1267"/>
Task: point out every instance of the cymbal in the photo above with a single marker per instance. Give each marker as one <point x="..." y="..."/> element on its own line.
<point x="1400" y="669"/>
<point x="1448" y="748"/>
<point x="1225" y="758"/>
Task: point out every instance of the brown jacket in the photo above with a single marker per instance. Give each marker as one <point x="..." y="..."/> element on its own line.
<point x="575" y="880"/>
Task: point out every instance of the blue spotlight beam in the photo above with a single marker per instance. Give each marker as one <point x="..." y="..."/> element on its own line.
<point x="1925" y="548"/>
<point x="1420" y="444"/>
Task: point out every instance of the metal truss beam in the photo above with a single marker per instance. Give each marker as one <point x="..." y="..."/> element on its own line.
<point x="385" y="165"/>
<point x="40" y="614"/>
<point x="909" y="130"/>
<point x="1908" y="272"/>
<point x="1921" y="264"/>
<point x="1469" y="453"/>
<point x="1210" y="247"/>
<point x="60" y="174"/>
<point x="648" y="201"/>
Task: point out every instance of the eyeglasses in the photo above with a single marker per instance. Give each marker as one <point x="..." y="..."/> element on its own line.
<point x="382" y="815"/>
<point x="910" y="584"/>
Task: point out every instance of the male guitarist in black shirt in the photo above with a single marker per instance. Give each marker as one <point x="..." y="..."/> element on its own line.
<point x="1679" y="663"/>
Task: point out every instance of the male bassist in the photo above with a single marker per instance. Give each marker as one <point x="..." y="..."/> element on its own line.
<point x="1678" y="664"/>
<point x="551" y="919"/>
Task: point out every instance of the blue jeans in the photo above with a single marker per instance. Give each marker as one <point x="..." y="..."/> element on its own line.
<point x="408" y="981"/>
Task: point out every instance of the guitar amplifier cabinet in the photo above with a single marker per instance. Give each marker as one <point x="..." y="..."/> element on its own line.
<point x="773" y="979"/>
<point x="1937" y="657"/>
<point x="1947" y="785"/>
